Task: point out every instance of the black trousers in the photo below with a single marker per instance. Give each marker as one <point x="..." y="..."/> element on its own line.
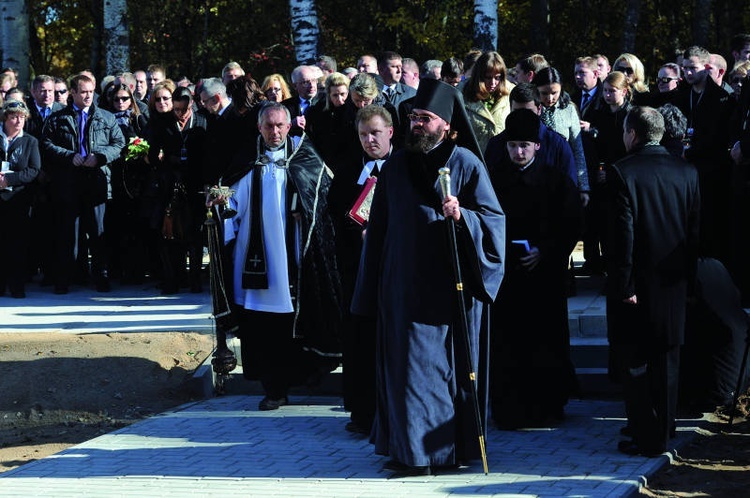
<point x="90" y="223"/>
<point x="269" y="353"/>
<point x="650" y="386"/>
<point x="14" y="214"/>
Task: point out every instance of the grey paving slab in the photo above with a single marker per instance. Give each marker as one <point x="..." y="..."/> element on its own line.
<point x="226" y="447"/>
<point x="125" y="309"/>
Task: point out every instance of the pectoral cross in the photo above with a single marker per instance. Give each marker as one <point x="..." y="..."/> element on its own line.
<point x="255" y="260"/>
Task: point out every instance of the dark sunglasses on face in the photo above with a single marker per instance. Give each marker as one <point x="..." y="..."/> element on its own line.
<point x="121" y="99"/>
<point x="626" y="70"/>
<point x="664" y="80"/>
<point x="60" y="92"/>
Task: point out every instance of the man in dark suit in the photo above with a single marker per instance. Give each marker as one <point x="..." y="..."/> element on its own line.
<point x="654" y="240"/>
<point x="42" y="105"/>
<point x="305" y="81"/>
<point x="588" y="94"/>
<point x="390" y="69"/>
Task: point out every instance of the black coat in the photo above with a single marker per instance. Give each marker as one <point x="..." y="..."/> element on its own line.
<point x="23" y="156"/>
<point x="35" y="122"/>
<point x="59" y="145"/>
<point x="654" y="239"/>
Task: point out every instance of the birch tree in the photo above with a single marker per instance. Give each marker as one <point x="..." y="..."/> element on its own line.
<point x="305" y="31"/>
<point x="485" y="24"/>
<point x="14" y="37"/>
<point x="116" y="37"/>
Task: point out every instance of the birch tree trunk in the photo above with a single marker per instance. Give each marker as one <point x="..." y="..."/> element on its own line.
<point x="116" y="36"/>
<point x="305" y="31"/>
<point x="485" y="24"/>
<point x="14" y="38"/>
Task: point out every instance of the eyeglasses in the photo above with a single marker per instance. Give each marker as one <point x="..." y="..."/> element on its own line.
<point x="122" y="99"/>
<point x="274" y="90"/>
<point x="60" y="92"/>
<point x="664" y="80"/>
<point x="421" y="118"/>
<point x="307" y="82"/>
<point x="626" y="70"/>
<point x="163" y="99"/>
<point x="15" y="105"/>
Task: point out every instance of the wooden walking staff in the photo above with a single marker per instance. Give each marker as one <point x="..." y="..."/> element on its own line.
<point x="463" y="322"/>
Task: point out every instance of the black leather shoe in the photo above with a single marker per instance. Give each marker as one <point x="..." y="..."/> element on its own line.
<point x="267" y="404"/>
<point x="357" y="429"/>
<point x="630" y="448"/>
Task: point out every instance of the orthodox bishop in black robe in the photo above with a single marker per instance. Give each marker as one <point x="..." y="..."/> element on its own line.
<point x="424" y="415"/>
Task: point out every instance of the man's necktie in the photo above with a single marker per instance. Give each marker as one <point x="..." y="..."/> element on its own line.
<point x="82" y="117"/>
<point x="585" y="100"/>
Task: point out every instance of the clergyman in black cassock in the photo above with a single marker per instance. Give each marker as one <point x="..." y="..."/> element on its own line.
<point x="532" y="375"/>
<point x="424" y="415"/>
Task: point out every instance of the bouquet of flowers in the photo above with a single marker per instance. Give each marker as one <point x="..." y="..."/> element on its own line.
<point x="137" y="148"/>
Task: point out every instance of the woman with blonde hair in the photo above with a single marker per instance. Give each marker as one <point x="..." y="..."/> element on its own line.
<point x="330" y="125"/>
<point x="486" y="96"/>
<point x="632" y="67"/>
<point x="275" y="88"/>
<point x="608" y="120"/>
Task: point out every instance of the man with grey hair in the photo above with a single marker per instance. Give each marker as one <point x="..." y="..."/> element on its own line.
<point x="286" y="296"/>
<point x="431" y="69"/>
<point x="653" y="224"/>
<point x="214" y="96"/>
<point x="305" y="81"/>
<point x="231" y="71"/>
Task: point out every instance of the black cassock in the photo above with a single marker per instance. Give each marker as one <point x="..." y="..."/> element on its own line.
<point x="424" y="415"/>
<point x="531" y="372"/>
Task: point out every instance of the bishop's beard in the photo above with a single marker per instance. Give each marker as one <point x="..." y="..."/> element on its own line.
<point x="423" y="142"/>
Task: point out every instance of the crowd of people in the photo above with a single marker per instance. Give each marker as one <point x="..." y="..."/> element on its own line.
<point x="336" y="234"/>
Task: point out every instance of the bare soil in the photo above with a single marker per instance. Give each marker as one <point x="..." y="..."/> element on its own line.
<point x="59" y="390"/>
<point x="715" y="463"/>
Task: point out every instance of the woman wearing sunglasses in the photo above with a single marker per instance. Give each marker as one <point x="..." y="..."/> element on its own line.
<point x="632" y="68"/>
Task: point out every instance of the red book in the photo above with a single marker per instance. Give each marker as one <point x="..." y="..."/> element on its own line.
<point x="360" y="211"/>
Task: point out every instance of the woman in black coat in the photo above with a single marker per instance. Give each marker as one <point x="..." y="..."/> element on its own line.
<point x="178" y="148"/>
<point x="126" y="241"/>
<point x="20" y="166"/>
